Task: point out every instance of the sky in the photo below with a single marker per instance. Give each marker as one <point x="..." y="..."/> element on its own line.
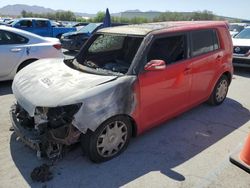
<point x="230" y="8"/>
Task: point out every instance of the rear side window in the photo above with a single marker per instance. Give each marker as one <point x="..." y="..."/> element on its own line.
<point x="11" y="38"/>
<point x="203" y="42"/>
<point x="41" y="23"/>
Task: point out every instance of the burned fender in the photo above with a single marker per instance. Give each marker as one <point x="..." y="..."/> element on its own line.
<point x="105" y="101"/>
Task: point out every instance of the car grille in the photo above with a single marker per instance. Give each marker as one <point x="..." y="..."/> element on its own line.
<point x="241" y="49"/>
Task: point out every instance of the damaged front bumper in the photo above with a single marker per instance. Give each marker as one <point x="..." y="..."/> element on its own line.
<point x="47" y="141"/>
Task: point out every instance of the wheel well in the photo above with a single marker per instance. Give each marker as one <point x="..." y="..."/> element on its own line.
<point x="229" y="76"/>
<point x="25" y="63"/>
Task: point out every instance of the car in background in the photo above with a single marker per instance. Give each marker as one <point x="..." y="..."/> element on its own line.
<point x="241" y="48"/>
<point x="124" y="81"/>
<point x="19" y="48"/>
<point x="80" y="25"/>
<point x="41" y="26"/>
<point x="74" y="40"/>
<point x="235" y="28"/>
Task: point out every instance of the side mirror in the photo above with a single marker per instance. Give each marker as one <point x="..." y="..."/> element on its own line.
<point x="155" y="65"/>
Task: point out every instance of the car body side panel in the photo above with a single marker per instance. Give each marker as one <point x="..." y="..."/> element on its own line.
<point x="10" y="55"/>
<point x="111" y="99"/>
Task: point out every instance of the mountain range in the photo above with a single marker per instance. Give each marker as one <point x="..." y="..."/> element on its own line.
<point x="15" y="10"/>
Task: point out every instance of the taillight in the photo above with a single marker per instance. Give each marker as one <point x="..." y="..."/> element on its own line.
<point x="57" y="46"/>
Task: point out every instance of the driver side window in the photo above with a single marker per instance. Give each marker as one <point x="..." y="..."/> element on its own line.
<point x="170" y="49"/>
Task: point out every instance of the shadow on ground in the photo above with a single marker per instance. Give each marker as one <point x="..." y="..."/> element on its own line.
<point x="160" y="149"/>
<point x="5" y="88"/>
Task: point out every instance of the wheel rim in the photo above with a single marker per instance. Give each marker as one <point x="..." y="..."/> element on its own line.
<point x="112" y="139"/>
<point x="221" y="91"/>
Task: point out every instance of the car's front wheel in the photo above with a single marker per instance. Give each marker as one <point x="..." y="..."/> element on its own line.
<point x="220" y="91"/>
<point x="109" y="140"/>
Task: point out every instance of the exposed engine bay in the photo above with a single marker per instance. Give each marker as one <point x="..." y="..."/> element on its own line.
<point x="49" y="131"/>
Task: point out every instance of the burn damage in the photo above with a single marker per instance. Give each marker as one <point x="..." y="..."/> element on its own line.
<point x="53" y="128"/>
<point x="48" y="131"/>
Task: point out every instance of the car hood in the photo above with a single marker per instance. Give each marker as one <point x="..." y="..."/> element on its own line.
<point x="241" y="42"/>
<point x="75" y="33"/>
<point x="51" y="83"/>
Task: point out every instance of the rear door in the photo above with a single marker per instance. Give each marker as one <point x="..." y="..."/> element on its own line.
<point x="165" y="93"/>
<point x="11" y="51"/>
<point x="206" y="57"/>
<point x="42" y="28"/>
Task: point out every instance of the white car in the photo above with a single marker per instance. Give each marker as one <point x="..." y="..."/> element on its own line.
<point x="235" y="28"/>
<point x="19" y="48"/>
<point x="241" y="49"/>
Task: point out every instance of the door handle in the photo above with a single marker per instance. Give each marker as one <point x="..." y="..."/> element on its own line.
<point x="15" y="49"/>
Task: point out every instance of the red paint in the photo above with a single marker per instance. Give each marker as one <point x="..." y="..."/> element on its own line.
<point x="164" y="94"/>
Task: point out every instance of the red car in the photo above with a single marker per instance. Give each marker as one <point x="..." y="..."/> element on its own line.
<point x="124" y="81"/>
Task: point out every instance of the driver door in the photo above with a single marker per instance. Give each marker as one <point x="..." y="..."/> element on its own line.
<point x="165" y="93"/>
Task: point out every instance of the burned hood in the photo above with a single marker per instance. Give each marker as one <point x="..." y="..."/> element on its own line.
<point x="51" y="83"/>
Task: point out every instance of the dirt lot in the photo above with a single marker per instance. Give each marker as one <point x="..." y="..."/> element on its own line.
<point x="189" y="151"/>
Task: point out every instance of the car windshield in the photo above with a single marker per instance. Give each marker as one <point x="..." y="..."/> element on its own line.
<point x="244" y="34"/>
<point x="235" y="27"/>
<point x="109" y="53"/>
<point x="89" y="28"/>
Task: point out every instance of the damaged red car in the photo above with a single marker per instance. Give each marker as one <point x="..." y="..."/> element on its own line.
<point x="124" y="81"/>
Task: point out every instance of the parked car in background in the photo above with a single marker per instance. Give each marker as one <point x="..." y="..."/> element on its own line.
<point x="124" y="81"/>
<point x="74" y="40"/>
<point x="19" y="48"/>
<point x="235" y="28"/>
<point x="41" y="26"/>
<point x="241" y="50"/>
<point x="80" y="25"/>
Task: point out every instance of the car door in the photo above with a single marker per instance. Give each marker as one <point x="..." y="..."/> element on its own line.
<point x="206" y="57"/>
<point x="11" y="51"/>
<point x="164" y="93"/>
<point x="42" y="27"/>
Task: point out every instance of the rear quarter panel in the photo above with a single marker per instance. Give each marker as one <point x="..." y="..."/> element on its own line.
<point x="226" y="51"/>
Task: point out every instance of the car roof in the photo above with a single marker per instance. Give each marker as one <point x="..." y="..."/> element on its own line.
<point x="144" y="29"/>
<point x="33" y="19"/>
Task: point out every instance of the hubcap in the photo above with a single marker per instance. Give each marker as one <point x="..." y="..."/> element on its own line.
<point x="221" y="91"/>
<point x="112" y="139"/>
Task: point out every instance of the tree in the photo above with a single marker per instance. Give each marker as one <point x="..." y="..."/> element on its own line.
<point x="24" y="13"/>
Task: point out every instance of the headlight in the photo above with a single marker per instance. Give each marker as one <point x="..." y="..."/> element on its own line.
<point x="58" y="116"/>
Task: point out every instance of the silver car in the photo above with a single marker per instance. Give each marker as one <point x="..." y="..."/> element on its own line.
<point x="19" y="48"/>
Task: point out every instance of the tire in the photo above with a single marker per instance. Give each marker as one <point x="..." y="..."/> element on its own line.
<point x="100" y="147"/>
<point x="219" y="93"/>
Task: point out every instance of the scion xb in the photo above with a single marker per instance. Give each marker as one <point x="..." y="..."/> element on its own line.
<point x="124" y="81"/>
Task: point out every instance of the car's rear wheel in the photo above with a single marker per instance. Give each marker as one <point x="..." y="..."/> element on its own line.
<point x="220" y="91"/>
<point x="109" y="140"/>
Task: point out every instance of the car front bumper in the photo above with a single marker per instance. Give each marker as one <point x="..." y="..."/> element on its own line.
<point x="241" y="61"/>
<point x="67" y="44"/>
<point x="28" y="137"/>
